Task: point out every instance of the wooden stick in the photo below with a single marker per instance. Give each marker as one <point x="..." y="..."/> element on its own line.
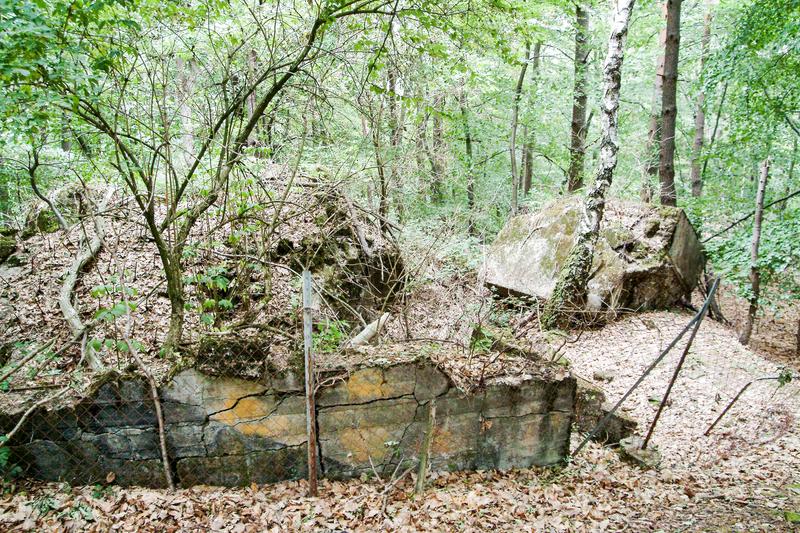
<point x="30" y="410"/>
<point x="44" y="400"/>
<point x="369" y="332"/>
<point x="27" y="358"/>
<point x="747" y="216"/>
<point x="424" y="457"/>
<point x="311" y="409"/>
<point x="162" y="438"/>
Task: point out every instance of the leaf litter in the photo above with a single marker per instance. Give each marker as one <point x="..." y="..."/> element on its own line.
<point x="743" y="477"/>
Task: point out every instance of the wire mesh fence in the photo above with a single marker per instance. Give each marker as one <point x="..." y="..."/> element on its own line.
<point x="387" y="411"/>
<point x="376" y="420"/>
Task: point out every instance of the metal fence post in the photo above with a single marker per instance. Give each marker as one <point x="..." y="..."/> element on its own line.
<point x="311" y="409"/>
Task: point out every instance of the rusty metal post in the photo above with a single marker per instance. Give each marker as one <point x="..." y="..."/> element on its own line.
<point x="700" y="316"/>
<point x="311" y="408"/>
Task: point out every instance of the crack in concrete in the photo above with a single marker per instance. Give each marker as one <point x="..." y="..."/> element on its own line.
<point x="239" y="399"/>
<point x="423" y="393"/>
<point x="247" y="454"/>
<point x="376" y="400"/>
<point x="259" y="419"/>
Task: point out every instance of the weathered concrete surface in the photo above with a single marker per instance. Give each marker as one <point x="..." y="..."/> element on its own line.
<point x="8" y="243"/>
<point x="647" y="257"/>
<point x="230" y="431"/>
<point x="591" y="407"/>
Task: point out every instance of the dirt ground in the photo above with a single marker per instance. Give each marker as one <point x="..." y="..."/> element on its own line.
<point x="775" y="332"/>
<point x="596" y="492"/>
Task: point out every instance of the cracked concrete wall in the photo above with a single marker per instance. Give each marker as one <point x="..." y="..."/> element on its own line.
<point x="234" y="432"/>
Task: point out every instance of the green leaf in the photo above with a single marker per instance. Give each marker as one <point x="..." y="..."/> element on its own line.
<point x="95" y="345"/>
<point x="103" y="314"/>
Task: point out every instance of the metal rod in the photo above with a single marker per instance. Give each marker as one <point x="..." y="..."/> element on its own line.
<point x="311" y="408"/>
<point x="672" y="381"/>
<point x="724" y="411"/>
<point x="736" y="399"/>
<point x="649" y="369"/>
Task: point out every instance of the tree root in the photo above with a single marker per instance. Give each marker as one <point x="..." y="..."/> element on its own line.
<point x="85" y="255"/>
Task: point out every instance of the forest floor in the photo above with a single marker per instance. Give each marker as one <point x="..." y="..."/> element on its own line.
<point x="744" y="476"/>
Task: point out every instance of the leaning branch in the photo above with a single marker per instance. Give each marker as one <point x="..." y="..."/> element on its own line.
<point x="132" y="349"/>
<point x="370" y="331"/>
<point x="747" y="216"/>
<point x="27" y="358"/>
<point x="62" y="223"/>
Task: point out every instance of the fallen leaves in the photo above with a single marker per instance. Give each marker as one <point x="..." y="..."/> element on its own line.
<point x="597" y="492"/>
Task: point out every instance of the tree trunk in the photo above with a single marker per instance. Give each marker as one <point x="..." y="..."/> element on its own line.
<point x="716" y="126"/>
<point x="66" y="141"/>
<point x="790" y="174"/>
<point x="185" y="89"/>
<point x="421" y="138"/>
<point x="395" y="140"/>
<point x="462" y="102"/>
<point x="577" y="148"/>
<point x="514" y="121"/>
<point x="654" y="130"/>
<point x="174" y="275"/>
<point x="380" y="164"/>
<point x="755" y="276"/>
<point x="527" y="160"/>
<point x="569" y="293"/>
<point x="436" y="152"/>
<point x="527" y="136"/>
<point x="700" y="115"/>
<point x="669" y="109"/>
<point x="797" y="341"/>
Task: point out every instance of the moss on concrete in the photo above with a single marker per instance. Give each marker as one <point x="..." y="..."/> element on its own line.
<point x="7" y="247"/>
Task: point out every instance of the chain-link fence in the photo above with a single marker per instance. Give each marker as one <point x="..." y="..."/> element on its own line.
<point x="384" y="411"/>
<point x="379" y="418"/>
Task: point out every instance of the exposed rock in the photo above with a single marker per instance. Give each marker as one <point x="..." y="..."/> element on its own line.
<point x="599" y="375"/>
<point x="15" y="260"/>
<point x="41" y="219"/>
<point x="355" y="264"/>
<point x="368" y="384"/>
<point x="591" y="407"/>
<point x="631" y="449"/>
<point x="246" y="357"/>
<point x="8" y="245"/>
<point x="647" y="257"/>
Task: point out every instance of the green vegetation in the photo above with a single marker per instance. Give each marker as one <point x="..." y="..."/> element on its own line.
<point x="408" y="106"/>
